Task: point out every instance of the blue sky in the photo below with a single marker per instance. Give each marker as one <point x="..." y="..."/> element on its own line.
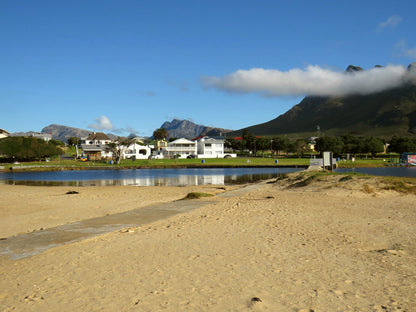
<point x="129" y="66"/>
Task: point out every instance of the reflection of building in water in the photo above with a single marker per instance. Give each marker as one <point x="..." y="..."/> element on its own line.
<point x="182" y="180"/>
<point x="211" y="179"/>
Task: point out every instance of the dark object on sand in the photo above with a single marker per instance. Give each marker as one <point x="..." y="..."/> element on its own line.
<point x="72" y="192"/>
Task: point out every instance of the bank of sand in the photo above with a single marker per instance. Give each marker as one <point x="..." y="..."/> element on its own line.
<point x="332" y="245"/>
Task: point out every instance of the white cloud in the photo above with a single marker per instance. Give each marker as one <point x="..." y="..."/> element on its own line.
<point x="313" y="80"/>
<point x="391" y="22"/>
<point x="101" y="123"/>
<point x="401" y="50"/>
<point x="410" y="53"/>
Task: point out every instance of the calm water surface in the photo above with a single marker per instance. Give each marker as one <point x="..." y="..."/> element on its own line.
<point x="383" y="171"/>
<point x="144" y="177"/>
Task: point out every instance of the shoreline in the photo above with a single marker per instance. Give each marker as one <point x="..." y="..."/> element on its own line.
<point x="36" y="168"/>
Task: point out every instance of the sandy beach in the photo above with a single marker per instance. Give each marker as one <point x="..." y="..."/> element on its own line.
<point x="332" y="245"/>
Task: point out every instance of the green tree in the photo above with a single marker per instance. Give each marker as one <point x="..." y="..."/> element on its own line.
<point x="373" y="146"/>
<point x="249" y="141"/>
<point x="263" y="144"/>
<point x="231" y="143"/>
<point x="27" y="148"/>
<point x="353" y="145"/>
<point x="402" y="145"/>
<point x="160" y="134"/>
<point x="118" y="146"/>
<point x="330" y="144"/>
<point x="280" y="144"/>
<point x="300" y="146"/>
<point x="73" y="141"/>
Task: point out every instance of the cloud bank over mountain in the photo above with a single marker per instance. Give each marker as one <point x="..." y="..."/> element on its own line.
<point x="314" y="80"/>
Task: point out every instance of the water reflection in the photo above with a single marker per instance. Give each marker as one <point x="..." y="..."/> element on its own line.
<point x="144" y="177"/>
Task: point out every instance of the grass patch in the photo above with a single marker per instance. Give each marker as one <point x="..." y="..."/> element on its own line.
<point x="196" y="195"/>
<point x="304" y="181"/>
<point x="346" y="178"/>
<point x="400" y="185"/>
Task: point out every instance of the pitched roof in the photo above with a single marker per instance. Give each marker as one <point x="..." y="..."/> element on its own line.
<point x="98" y="136"/>
<point x="182" y="141"/>
<point x="93" y="148"/>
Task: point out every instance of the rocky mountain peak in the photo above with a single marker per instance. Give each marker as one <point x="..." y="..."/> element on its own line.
<point x="352" y="69"/>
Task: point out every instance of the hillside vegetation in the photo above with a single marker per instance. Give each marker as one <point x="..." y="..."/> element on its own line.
<point x="383" y="114"/>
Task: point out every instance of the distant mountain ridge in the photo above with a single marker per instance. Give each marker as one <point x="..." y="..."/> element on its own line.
<point x="387" y="113"/>
<point x="175" y="128"/>
<point x="189" y="130"/>
<point x="63" y="133"/>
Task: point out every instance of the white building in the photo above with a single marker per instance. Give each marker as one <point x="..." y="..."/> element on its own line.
<point x="96" y="138"/>
<point x="136" y="151"/>
<point x="203" y="147"/>
<point x="210" y="148"/>
<point x="94" y="146"/>
<point x="182" y="147"/>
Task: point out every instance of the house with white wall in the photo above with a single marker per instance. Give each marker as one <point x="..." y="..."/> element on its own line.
<point x="96" y="138"/>
<point x="136" y="151"/>
<point x="208" y="147"/>
<point x="182" y="147"/>
<point x="202" y="147"/>
<point x="94" y="146"/>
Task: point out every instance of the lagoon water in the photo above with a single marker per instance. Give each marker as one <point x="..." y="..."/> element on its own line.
<point x="383" y="171"/>
<point x="144" y="177"/>
<point x="173" y="177"/>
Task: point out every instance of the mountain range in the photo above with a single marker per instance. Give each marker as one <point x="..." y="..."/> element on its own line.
<point x="176" y="129"/>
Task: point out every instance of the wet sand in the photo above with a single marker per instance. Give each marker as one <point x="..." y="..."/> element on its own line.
<point x="332" y="245"/>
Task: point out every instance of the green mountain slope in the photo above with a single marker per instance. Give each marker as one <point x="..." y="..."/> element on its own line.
<point x="387" y="113"/>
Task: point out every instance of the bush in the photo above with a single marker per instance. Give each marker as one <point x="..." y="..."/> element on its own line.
<point x="26" y="149"/>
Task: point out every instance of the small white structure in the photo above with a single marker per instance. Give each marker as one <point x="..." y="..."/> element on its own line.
<point x="44" y="136"/>
<point x="4" y="133"/>
<point x="136" y="151"/>
<point x="158" y="155"/>
<point x="182" y="147"/>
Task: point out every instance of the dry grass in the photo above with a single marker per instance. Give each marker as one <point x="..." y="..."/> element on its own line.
<point x="368" y="189"/>
<point x="401" y="185"/>
<point x="349" y="181"/>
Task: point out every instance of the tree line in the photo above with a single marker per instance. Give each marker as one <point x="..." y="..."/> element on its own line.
<point x="29" y="148"/>
<point x="347" y="144"/>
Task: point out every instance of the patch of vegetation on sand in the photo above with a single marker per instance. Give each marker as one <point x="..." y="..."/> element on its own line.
<point x="196" y="195"/>
<point x="401" y="185"/>
<point x="306" y="178"/>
